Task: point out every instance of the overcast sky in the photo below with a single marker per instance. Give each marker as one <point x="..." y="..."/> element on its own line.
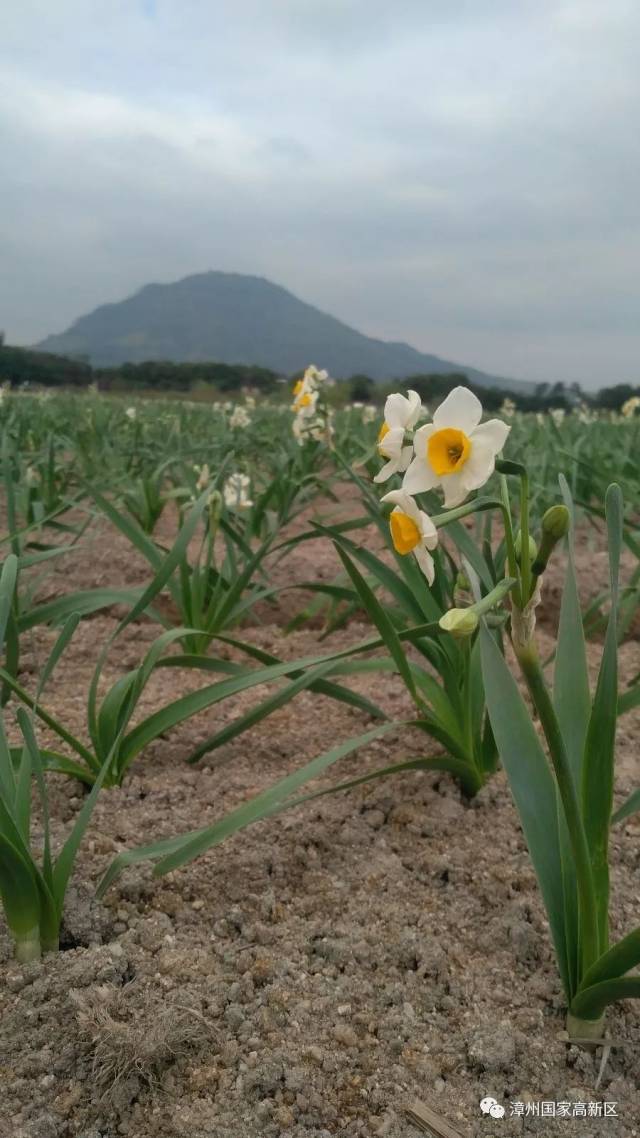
<point x="460" y="174"/>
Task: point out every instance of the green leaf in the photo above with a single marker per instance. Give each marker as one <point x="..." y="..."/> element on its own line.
<point x="616" y="962"/>
<point x="571" y="695"/>
<point x="50" y="721"/>
<point x="599" y="755"/>
<point x="81" y="604"/>
<point x="630" y="806"/>
<point x="591" y="1002"/>
<point x="267" y="707"/>
<point x="18" y="889"/>
<point x="177" y="851"/>
<point x="532" y="786"/>
<point x="8" y="580"/>
<point x="380" y="619"/>
<point x="57" y="650"/>
<point x="572" y="702"/>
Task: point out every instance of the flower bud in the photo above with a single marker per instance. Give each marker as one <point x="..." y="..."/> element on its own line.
<point x="533" y="548"/>
<point x="555" y="523"/>
<point x="461" y="623"/>
<point x="462" y="582"/>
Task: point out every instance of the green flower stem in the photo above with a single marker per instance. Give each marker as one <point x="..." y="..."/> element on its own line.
<point x="533" y="674"/>
<point x="27" y="945"/>
<point x="512" y="560"/>
<point x="525" y="554"/>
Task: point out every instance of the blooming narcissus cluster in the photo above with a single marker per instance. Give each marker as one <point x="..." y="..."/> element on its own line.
<point x="455" y="452"/>
<point x="312" y="418"/>
<point x="236" y="492"/>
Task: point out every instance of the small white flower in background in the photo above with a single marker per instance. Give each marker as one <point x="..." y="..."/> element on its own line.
<point x="240" y="417"/>
<point x="412" y="531"/>
<point x="369" y="413"/>
<point x="631" y="406"/>
<point x="540" y="418"/>
<point x="508" y="408"/>
<point x="131" y="414"/>
<point x="217" y="406"/>
<point x="401" y="413"/>
<point x="236" y="492"/>
<point x="204" y="477"/>
<point x="31" y="476"/>
<point x="249" y="402"/>
<point x="584" y="413"/>
<point x="557" y="414"/>
<point x="456" y="451"/>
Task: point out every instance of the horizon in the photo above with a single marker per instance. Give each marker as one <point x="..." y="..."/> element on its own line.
<point x="478" y="203"/>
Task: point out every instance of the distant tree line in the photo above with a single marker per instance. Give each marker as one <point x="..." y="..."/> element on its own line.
<point x="23" y="366"/>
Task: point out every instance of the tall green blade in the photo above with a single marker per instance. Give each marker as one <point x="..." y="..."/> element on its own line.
<point x="178" y="851"/>
<point x="532" y="785"/>
<point x="380" y="619"/>
<point x="599" y="755"/>
<point x="572" y="701"/>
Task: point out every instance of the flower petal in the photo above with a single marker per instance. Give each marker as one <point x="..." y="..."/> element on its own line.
<point x="403" y="501"/>
<point x="479" y="466"/>
<point x="405" y="458"/>
<point x="415" y="409"/>
<point x="461" y="409"/>
<point x="387" y="470"/>
<point x="455" y="489"/>
<point x="390" y="446"/>
<point x="425" y="561"/>
<point x="428" y="531"/>
<point x="492" y="434"/>
<point x="397" y="410"/>
<point x="419" y="477"/>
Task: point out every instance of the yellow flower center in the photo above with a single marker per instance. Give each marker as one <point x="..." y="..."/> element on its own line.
<point x="384" y="430"/>
<point x="404" y="532"/>
<point x="448" y="450"/>
<point x="302" y="401"/>
<point x="297" y="387"/>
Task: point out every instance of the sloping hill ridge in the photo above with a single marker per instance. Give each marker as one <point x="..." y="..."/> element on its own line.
<point x="238" y="319"/>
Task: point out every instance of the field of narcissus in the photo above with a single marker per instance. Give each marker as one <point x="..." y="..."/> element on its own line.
<point x="318" y="767"/>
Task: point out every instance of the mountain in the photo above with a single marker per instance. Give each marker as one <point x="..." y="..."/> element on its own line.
<point x="238" y="319"/>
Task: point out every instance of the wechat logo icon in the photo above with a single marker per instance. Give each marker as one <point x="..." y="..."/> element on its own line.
<point x="489" y="1105"/>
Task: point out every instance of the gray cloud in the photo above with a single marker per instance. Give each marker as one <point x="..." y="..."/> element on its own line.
<point x="461" y="176"/>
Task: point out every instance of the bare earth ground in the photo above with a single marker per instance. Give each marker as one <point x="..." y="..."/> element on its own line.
<point x="317" y="972"/>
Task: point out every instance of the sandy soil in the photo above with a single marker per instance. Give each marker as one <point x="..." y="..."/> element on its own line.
<point x="314" y="974"/>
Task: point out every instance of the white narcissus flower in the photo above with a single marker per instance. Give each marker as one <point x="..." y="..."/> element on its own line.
<point x="204" y="476"/>
<point x="456" y="451"/>
<point x="412" y="531"/>
<point x="131" y="414"/>
<point x="240" y="417"/>
<point x="401" y="414"/>
<point x="305" y="403"/>
<point x="236" y="492"/>
<point x="630" y="407"/>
